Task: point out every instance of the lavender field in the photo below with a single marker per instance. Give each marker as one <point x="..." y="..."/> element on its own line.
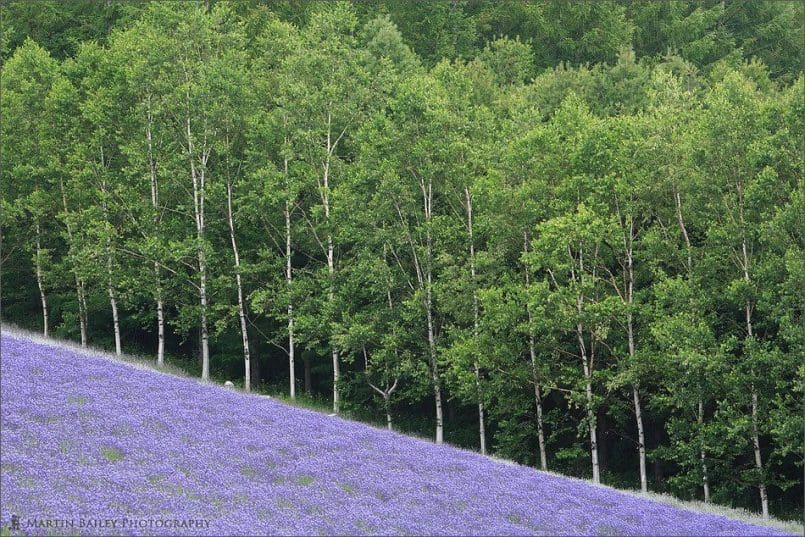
<point x="92" y="446"/>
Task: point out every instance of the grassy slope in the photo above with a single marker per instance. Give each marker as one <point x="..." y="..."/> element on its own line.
<point x="794" y="528"/>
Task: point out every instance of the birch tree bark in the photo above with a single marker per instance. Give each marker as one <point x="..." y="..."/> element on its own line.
<point x="641" y="438"/>
<point x="748" y="308"/>
<point x="475" y="320"/>
<point x="384" y="392"/>
<point x="588" y="392"/>
<point x="40" y="279"/>
<point x="587" y="360"/>
<point x="247" y="384"/>
<point x="109" y="268"/>
<point x="700" y="403"/>
<point x="198" y="194"/>
<point x="427" y="201"/>
<point x="152" y="171"/>
<point x="702" y="456"/>
<point x="388" y="389"/>
<point x="424" y="278"/>
<point x="79" y="282"/>
<point x="325" y="200"/>
<point x="543" y="456"/>
<point x="289" y="286"/>
<point x="289" y="273"/>
<point x="198" y="176"/>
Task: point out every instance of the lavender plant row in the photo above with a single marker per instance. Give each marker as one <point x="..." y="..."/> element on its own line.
<point x="92" y="446"/>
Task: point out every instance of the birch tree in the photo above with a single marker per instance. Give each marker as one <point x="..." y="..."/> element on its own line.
<point x="230" y="218"/>
<point x="326" y="97"/>
<point x="141" y="52"/>
<point x="611" y="153"/>
<point x="62" y="102"/>
<point x="197" y="106"/>
<point x="529" y="163"/>
<point x="738" y="167"/>
<point x="568" y="251"/>
<point x="28" y="78"/>
<point x="685" y="331"/>
<point x="271" y="146"/>
<point x="470" y="87"/>
<point x="94" y="160"/>
<point x="404" y="151"/>
<point x="370" y="331"/>
<point x="230" y="147"/>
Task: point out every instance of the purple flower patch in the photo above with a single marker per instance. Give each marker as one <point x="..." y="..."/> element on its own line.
<point x="91" y="446"/>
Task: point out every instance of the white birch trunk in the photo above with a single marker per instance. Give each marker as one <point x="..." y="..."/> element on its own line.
<point x="109" y="266"/>
<point x="289" y="283"/>
<point x="336" y="369"/>
<point x="387" y="395"/>
<point x="587" y="367"/>
<point x="437" y="392"/>
<point x="198" y="178"/>
<point x="202" y="267"/>
<point x="389" y="389"/>
<point x="155" y="205"/>
<point x="325" y="198"/>
<point x="40" y="281"/>
<point x="160" y="320"/>
<point x="82" y="310"/>
<point x="700" y="418"/>
<point x="641" y="446"/>
<point x="764" y="498"/>
<point x="427" y="194"/>
<point x="683" y="229"/>
<point x="481" y="419"/>
<point x="641" y="438"/>
<point x="79" y="282"/>
<point x="113" y="304"/>
<point x="386" y="392"/>
<point x="475" y="322"/>
<point x="588" y="391"/>
<point x="247" y="375"/>
<point x="289" y="277"/>
<point x="425" y="283"/>
<point x="702" y="456"/>
<point x="543" y="455"/>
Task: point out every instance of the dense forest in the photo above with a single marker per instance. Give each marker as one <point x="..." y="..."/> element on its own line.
<point x="571" y="234"/>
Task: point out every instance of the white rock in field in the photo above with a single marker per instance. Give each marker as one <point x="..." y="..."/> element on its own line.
<point x="228" y="384"/>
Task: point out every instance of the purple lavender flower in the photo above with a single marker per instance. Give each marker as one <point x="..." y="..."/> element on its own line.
<point x="117" y="450"/>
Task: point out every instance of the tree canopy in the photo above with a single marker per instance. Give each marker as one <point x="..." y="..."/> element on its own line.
<point x="570" y="234"/>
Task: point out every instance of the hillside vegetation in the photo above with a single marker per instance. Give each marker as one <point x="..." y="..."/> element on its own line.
<point x="568" y="234"/>
<point x="111" y="449"/>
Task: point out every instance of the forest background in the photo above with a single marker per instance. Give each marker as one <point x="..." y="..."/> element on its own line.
<point x="565" y="233"/>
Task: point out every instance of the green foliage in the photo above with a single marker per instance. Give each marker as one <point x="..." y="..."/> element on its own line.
<point x="539" y="208"/>
<point x="509" y="59"/>
<point x="112" y="454"/>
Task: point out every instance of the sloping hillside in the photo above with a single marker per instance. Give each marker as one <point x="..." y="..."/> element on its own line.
<point x="95" y="446"/>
